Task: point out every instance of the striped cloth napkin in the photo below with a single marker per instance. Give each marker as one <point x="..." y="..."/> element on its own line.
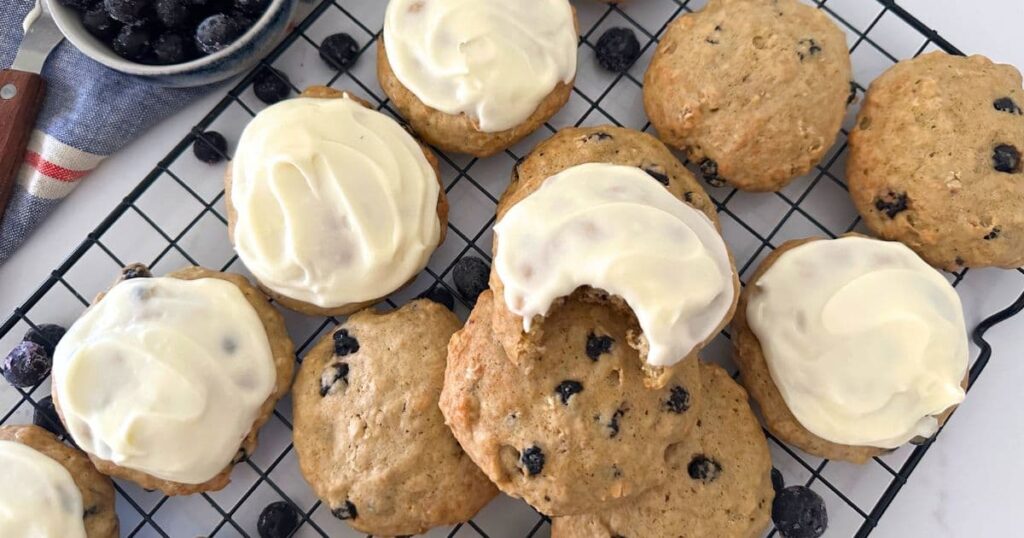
<point x="89" y="113"/>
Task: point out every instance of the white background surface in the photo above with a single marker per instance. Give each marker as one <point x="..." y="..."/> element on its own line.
<point x="969" y="483"/>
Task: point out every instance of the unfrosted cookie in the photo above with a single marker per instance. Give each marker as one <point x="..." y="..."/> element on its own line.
<point x="720" y="481"/>
<point x="935" y="160"/>
<point x="52" y="488"/>
<point x="369" y="435"/>
<point x="575" y="430"/>
<point x="166" y="381"/>
<point x="611" y="211"/>
<point x="753" y="91"/>
<point x="851" y="346"/>
<point x="476" y="76"/>
<point x="332" y="205"/>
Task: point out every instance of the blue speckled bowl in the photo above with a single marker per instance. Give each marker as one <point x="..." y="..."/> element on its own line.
<point x="238" y="57"/>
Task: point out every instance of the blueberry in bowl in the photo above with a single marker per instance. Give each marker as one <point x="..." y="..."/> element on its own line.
<point x="174" y="42"/>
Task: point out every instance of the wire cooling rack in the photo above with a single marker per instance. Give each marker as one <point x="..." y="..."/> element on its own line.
<point x="175" y="217"/>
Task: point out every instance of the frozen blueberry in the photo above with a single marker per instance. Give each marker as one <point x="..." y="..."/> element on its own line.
<point x="704" y="469"/>
<point x="331" y="376"/>
<point x="567" y="389"/>
<point x="344" y="343"/>
<point x="127" y="11"/>
<point x="278" y="520"/>
<point x="778" y="482"/>
<point x="678" y="400"/>
<point x="598" y="345"/>
<point x="172" y="13"/>
<point x="45" y="416"/>
<point x="26" y="365"/>
<point x="210" y="147"/>
<point x="346" y="511"/>
<point x="171" y="48"/>
<point x="252" y="7"/>
<point x="709" y="169"/>
<point x="99" y="24"/>
<point x="78" y="5"/>
<point x="217" y="32"/>
<point x="440" y="295"/>
<point x="1006" y="158"/>
<point x="46" y="335"/>
<point x="617" y="49"/>
<point x="892" y="203"/>
<point x="1005" y="104"/>
<point x="271" y="86"/>
<point x="799" y="512"/>
<point x="135" y="270"/>
<point x="133" y="43"/>
<point x="470" y="275"/>
<point x="533" y="460"/>
<point x="658" y="173"/>
<point x="340" y="51"/>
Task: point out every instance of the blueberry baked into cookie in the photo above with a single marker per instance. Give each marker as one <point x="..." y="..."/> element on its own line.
<point x="332" y="205"/>
<point x="370" y="438"/>
<point x="477" y="76"/>
<point x="50" y="490"/>
<point x="935" y="160"/>
<point x="753" y="91"/>
<point x="166" y="381"/>
<point x="873" y="355"/>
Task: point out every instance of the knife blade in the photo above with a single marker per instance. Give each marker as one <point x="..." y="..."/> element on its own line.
<point x="41" y="36"/>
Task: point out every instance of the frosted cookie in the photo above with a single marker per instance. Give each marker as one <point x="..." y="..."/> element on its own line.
<point x="369" y="435"/>
<point x="50" y="490"/>
<point x="753" y="91"/>
<point x="166" y="381"/>
<point x="332" y="206"/>
<point x="850" y="346"/>
<point x="935" y="160"/>
<point x="720" y="481"/>
<point x="575" y="430"/>
<point x="612" y="211"/>
<point x="477" y="76"/>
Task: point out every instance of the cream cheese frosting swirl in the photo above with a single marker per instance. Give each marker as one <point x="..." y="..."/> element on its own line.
<point x="615" y="228"/>
<point x="38" y="496"/>
<point x="335" y="203"/>
<point x="165" y="376"/>
<point x="864" y="340"/>
<point x="493" y="61"/>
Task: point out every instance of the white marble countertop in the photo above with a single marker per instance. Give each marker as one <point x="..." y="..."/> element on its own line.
<point x="968" y="483"/>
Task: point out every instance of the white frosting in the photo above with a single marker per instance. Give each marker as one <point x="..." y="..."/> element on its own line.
<point x="165" y="376"/>
<point x="38" y="496"/>
<point x="493" y="61"/>
<point x="336" y="203"/>
<point x="864" y="340"/>
<point x="616" y="228"/>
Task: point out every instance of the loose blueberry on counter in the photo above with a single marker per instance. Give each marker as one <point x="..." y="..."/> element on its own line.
<point x="1005" y="104"/>
<point x="598" y="345"/>
<point x="617" y="49"/>
<point x="211" y="147"/>
<point x="27" y="365"/>
<point x="99" y="24"/>
<point x="217" y="32"/>
<point x="172" y="48"/>
<point x="568" y="389"/>
<point x="172" y="13"/>
<point x="533" y="460"/>
<point x="1006" y="158"/>
<point x="45" y="416"/>
<point x="340" y="51"/>
<point x="278" y="520"/>
<point x="133" y="43"/>
<point x="127" y="11"/>
<point x="348" y="511"/>
<point x="344" y="343"/>
<point x="678" y="401"/>
<point x="440" y="295"/>
<point x="470" y="275"/>
<point x="704" y="469"/>
<point x="778" y="482"/>
<point x="799" y="512"/>
<point x="46" y="335"/>
<point x="79" y="5"/>
<point x="271" y="86"/>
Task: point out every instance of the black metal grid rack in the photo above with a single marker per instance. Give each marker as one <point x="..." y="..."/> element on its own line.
<point x="175" y="217"/>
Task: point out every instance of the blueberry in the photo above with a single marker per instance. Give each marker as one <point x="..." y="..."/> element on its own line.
<point x="210" y="147"/>
<point x="217" y="32"/>
<point x="658" y="173"/>
<point x="278" y="520"/>
<point x="440" y="295"/>
<point x="892" y="203"/>
<point x="127" y="11"/>
<point x="778" y="482"/>
<point x="99" y="24"/>
<point x="78" y="5"/>
<point x="133" y="43"/>
<point x="172" y="48"/>
<point x="340" y="51"/>
<point x="617" y="49"/>
<point x="704" y="469"/>
<point x="598" y="345"/>
<point x="567" y="389"/>
<point x="347" y="511"/>
<point x="45" y="416"/>
<point x="994" y="233"/>
<point x="135" y="270"/>
<point x="613" y="424"/>
<point x="808" y="47"/>
<point x="344" y="343"/>
<point x="533" y="460"/>
<point x="172" y="13"/>
<point x="678" y="400"/>
<point x="853" y="93"/>
<point x="46" y="335"/>
<point x="331" y="376"/>
<point x="26" y="365"/>
<point x="252" y="7"/>
<point x="271" y="86"/>
<point x="709" y="169"/>
<point x="1005" y="104"/>
<point x="470" y="275"/>
<point x="599" y="136"/>
<point x="799" y="512"/>
<point x="1006" y="158"/>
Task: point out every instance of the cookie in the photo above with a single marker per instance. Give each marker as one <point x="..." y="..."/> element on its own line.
<point x="935" y="160"/>
<point x="369" y="435"/>
<point x="720" y="481"/>
<point x="331" y="205"/>
<point x="51" y="488"/>
<point x="851" y="347"/>
<point x="575" y="430"/>
<point x="754" y="92"/>
<point x="612" y="211"/>
<point x="166" y="381"/>
<point x="475" y="76"/>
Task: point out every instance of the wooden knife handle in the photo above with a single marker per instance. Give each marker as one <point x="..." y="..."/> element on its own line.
<point x="21" y="97"/>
